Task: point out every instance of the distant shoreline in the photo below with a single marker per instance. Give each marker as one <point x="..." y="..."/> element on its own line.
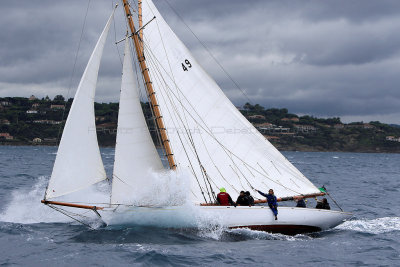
<point x="288" y="149"/>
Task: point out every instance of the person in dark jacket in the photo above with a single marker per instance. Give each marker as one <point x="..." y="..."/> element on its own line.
<point x="301" y="203"/>
<point x="324" y="205"/>
<point x="250" y="198"/>
<point x="242" y="199"/>
<point x="224" y="199"/>
<point x="272" y="202"/>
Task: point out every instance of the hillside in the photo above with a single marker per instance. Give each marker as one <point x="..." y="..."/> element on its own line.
<point x="32" y="121"/>
<point x="306" y="133"/>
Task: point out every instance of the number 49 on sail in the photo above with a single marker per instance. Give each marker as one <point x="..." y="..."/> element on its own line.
<point x="188" y="64"/>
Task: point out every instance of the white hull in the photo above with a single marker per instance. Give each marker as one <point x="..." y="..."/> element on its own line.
<point x="290" y="220"/>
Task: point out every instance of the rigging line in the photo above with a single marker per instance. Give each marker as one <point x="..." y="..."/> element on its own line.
<point x="249" y="170"/>
<point x="209" y="52"/>
<point x="136" y="62"/>
<point x="208" y="130"/>
<point x="201" y="119"/>
<point x="244" y="176"/>
<point x="157" y="78"/>
<point x="153" y="118"/>
<point x="240" y="181"/>
<point x="122" y="181"/>
<point x="263" y="169"/>
<point x="334" y="201"/>
<point x="156" y="124"/>
<point x="225" y="148"/>
<point x="170" y="69"/>
<point x="73" y="218"/>
<point x="156" y="97"/>
<point x="286" y="165"/>
<point x="206" y="177"/>
<point x="73" y="71"/>
<point x="276" y="167"/>
<point x="172" y="102"/>
<point x="215" y="166"/>
<point x="184" y="126"/>
<point x="294" y="182"/>
<point x="115" y="38"/>
<point x="203" y="172"/>
<point x="202" y="169"/>
<point x="179" y="97"/>
<point x="151" y="62"/>
<point x="175" y="109"/>
<point x="277" y="182"/>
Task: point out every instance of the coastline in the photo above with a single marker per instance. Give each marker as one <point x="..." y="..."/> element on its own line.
<point x="279" y="147"/>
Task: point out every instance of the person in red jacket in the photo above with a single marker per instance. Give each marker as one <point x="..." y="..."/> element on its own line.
<point x="224" y="199"/>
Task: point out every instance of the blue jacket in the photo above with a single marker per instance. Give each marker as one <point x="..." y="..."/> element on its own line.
<point x="271" y="199"/>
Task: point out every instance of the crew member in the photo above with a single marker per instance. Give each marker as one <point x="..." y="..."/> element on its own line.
<point x="324" y="205"/>
<point x="250" y="198"/>
<point x="272" y="202"/>
<point x="242" y="199"/>
<point x="224" y="199"/>
<point x="301" y="203"/>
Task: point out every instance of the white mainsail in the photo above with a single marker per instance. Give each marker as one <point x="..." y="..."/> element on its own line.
<point x="135" y="154"/>
<point x="78" y="163"/>
<point x="206" y="129"/>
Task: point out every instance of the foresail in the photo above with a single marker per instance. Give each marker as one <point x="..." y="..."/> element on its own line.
<point x="208" y="135"/>
<point x="135" y="154"/>
<point x="78" y="163"/>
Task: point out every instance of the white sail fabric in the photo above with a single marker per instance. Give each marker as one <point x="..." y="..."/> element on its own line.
<point x="135" y="154"/>
<point x="204" y="126"/>
<point x="78" y="163"/>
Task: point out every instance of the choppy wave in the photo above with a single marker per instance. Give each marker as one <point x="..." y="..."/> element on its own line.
<point x="372" y="226"/>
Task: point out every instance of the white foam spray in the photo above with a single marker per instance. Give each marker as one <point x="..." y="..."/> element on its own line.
<point x="25" y="207"/>
<point x="373" y="226"/>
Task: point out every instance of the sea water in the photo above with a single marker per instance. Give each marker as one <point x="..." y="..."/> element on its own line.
<point x="32" y="234"/>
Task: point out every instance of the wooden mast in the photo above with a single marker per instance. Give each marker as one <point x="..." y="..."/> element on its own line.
<point x="149" y="86"/>
<point x="140" y="22"/>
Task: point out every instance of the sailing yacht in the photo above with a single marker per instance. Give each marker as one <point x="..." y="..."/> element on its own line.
<point x="207" y="144"/>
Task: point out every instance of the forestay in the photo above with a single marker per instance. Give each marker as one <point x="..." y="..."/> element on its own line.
<point x="78" y="163"/>
<point x="206" y="129"/>
<point x="135" y="154"/>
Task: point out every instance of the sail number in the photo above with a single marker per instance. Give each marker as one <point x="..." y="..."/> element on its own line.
<point x="186" y="65"/>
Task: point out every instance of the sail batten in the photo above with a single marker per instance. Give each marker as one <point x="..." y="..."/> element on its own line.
<point x="135" y="154"/>
<point x="209" y="129"/>
<point x="78" y="162"/>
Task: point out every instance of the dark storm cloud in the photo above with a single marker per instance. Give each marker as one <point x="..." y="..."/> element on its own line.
<point x="329" y="58"/>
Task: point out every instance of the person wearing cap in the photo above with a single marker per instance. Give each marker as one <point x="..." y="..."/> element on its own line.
<point x="272" y="201"/>
<point x="224" y="199"/>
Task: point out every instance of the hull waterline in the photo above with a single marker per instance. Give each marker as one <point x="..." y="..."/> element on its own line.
<point x="290" y="221"/>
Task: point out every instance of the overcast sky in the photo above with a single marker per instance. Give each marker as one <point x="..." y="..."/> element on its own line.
<point x="322" y="58"/>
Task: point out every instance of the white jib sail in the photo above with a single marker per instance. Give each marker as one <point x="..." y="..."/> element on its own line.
<point x="135" y="154"/>
<point x="203" y="125"/>
<point x="78" y="163"/>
